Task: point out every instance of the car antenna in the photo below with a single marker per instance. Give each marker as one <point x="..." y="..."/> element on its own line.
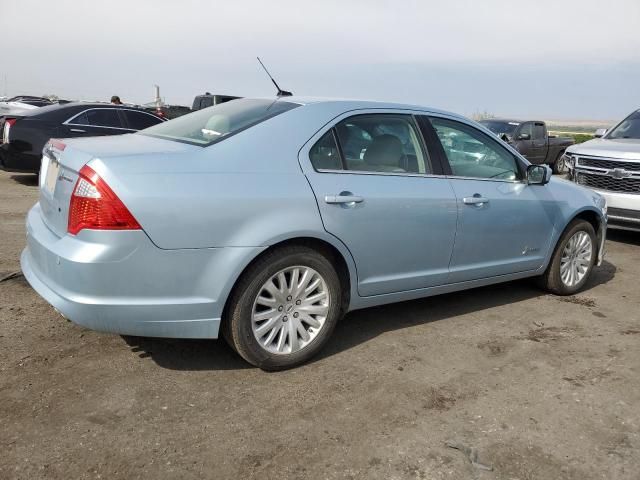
<point x="281" y="93"/>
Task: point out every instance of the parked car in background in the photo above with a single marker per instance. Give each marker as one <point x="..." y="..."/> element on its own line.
<point x="168" y="111"/>
<point x="532" y="140"/>
<point x="209" y="100"/>
<point x="255" y="220"/>
<point x="24" y="135"/>
<point x="21" y="104"/>
<point x="610" y="165"/>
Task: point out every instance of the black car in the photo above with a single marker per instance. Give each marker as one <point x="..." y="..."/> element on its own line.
<point x="24" y="135"/>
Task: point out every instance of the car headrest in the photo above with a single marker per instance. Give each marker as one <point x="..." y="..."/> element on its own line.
<point x="384" y="150"/>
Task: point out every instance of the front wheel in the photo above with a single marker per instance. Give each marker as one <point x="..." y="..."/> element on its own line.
<point x="284" y="308"/>
<point x="573" y="259"/>
<point x="560" y="166"/>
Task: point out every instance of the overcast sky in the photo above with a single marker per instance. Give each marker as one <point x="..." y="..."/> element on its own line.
<point x="563" y="59"/>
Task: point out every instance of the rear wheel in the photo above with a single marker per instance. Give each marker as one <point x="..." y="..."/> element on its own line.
<point x="284" y="308"/>
<point x="573" y="259"/>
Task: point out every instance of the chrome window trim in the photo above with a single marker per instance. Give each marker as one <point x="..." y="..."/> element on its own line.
<point x="389" y="174"/>
<point x="69" y="120"/>
<point x="409" y="174"/>
<point x="498" y="180"/>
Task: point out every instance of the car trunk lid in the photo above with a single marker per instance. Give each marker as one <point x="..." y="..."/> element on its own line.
<point x="62" y="161"/>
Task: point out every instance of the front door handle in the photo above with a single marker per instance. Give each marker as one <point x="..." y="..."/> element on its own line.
<point x="475" y="200"/>
<point x="343" y="198"/>
<point x="77" y="130"/>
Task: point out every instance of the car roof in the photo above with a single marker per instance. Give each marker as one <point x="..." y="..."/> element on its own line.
<point x="62" y="112"/>
<point x="356" y="104"/>
<point x="59" y="107"/>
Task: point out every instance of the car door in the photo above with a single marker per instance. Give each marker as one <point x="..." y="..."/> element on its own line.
<point x="539" y="143"/>
<point x="95" y="122"/>
<point x="524" y="140"/>
<point x="504" y="224"/>
<point x="379" y="193"/>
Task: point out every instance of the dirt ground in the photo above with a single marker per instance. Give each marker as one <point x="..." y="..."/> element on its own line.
<point x="543" y="387"/>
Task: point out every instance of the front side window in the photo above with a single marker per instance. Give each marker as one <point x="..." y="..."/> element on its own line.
<point x="628" y="128"/>
<point x="527" y="129"/>
<point x="104" y="117"/>
<point x="211" y="125"/>
<point x="538" y="131"/>
<point x="473" y="154"/>
<point x="382" y="143"/>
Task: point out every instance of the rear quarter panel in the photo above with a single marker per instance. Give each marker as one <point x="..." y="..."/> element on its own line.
<point x="247" y="190"/>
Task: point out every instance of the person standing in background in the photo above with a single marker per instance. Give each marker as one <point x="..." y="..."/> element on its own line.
<point x="116" y="100"/>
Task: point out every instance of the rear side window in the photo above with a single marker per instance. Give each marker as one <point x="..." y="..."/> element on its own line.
<point x="140" y="120"/>
<point x="80" y="119"/>
<point x="211" y="125"/>
<point x="104" y="117"/>
<point x="384" y="143"/>
<point x="324" y="154"/>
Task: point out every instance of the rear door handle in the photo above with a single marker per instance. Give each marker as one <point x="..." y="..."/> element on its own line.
<point x="342" y="199"/>
<point x="77" y="130"/>
<point x="475" y="200"/>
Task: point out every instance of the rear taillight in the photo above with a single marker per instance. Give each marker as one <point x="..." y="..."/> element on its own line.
<point x="8" y="123"/>
<point x="95" y="206"/>
<point x="57" y="144"/>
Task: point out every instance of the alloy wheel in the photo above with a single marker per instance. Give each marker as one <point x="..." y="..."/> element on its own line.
<point x="576" y="259"/>
<point x="290" y="310"/>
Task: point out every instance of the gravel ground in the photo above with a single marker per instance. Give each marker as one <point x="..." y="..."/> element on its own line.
<point x="542" y="387"/>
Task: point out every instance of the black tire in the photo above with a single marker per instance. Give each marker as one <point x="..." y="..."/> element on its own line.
<point x="551" y="279"/>
<point x="559" y="167"/>
<point x="237" y="321"/>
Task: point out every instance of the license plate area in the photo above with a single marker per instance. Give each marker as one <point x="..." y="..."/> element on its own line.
<point x="52" y="169"/>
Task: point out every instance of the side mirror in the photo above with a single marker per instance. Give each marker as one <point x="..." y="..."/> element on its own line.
<point x="601" y="132"/>
<point x="524" y="136"/>
<point x="538" y="174"/>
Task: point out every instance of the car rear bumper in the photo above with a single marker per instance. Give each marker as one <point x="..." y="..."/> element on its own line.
<point x="12" y="161"/>
<point x="120" y="282"/>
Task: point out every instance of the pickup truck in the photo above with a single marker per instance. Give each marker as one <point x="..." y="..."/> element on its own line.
<point x="532" y="140"/>
<point x="610" y="165"/>
<point x="209" y="100"/>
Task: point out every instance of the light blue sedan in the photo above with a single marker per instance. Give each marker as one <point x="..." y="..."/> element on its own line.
<point x="266" y="220"/>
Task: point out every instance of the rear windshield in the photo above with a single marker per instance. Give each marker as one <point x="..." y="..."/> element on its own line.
<point x="214" y="124"/>
<point x="498" y="127"/>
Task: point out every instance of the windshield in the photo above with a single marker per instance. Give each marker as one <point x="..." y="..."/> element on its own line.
<point x="213" y="124"/>
<point x="500" y="126"/>
<point x="628" y="128"/>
